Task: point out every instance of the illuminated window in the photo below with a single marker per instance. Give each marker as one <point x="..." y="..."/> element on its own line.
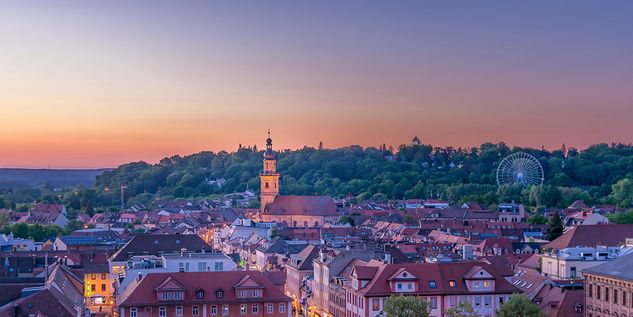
<point x="103" y="276"/>
<point x="93" y="276"/>
<point x="225" y="310"/>
<point x="452" y="283"/>
<point x="486" y="284"/>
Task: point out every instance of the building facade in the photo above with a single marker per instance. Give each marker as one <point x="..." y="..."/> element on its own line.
<point x="444" y="285"/>
<point x="609" y="288"/>
<point x="204" y="294"/>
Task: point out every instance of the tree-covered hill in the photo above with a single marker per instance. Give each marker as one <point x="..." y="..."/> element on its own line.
<point x="411" y="172"/>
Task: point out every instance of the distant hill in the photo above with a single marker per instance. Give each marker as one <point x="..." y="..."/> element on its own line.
<point x="58" y="178"/>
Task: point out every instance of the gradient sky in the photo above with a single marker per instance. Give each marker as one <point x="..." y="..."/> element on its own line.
<point x="97" y="84"/>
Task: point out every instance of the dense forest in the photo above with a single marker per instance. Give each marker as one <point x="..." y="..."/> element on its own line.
<point x="601" y="173"/>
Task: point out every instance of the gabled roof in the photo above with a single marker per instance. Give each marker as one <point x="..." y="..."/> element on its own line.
<point x="247" y="282"/>
<point x="169" y="284"/>
<point x="302" y="205"/>
<point x="593" y="235"/>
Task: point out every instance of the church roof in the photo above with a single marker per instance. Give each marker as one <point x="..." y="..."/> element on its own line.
<point x="302" y="206"/>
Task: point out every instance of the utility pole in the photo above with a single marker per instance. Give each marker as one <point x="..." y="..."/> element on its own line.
<point x="123" y="187"/>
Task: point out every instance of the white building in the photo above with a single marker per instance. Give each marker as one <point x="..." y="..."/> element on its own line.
<point x="569" y="263"/>
<point x="176" y="262"/>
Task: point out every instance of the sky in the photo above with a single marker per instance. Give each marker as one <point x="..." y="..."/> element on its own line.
<point x="87" y="84"/>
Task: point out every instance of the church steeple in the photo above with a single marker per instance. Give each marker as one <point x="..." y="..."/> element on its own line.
<point x="269" y="178"/>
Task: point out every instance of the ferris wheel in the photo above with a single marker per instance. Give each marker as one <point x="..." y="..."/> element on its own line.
<point x="520" y="168"/>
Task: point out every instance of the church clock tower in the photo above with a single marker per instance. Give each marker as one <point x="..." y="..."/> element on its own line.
<point x="269" y="178"/>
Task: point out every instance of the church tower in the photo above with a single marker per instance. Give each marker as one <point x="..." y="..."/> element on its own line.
<point x="269" y="178"/>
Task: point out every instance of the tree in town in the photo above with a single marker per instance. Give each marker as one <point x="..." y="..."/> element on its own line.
<point x="555" y="225"/>
<point x="406" y="306"/>
<point x="622" y="193"/>
<point x="463" y="309"/>
<point x="537" y="219"/>
<point x="519" y="305"/>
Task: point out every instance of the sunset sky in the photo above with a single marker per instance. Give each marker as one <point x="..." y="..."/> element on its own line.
<point x="97" y="84"/>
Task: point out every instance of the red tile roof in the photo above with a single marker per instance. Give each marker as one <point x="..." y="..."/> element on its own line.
<point x="593" y="235"/>
<point x="302" y="205"/>
<point x="144" y="293"/>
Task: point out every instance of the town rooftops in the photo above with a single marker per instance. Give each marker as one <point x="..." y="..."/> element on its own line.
<point x="155" y="244"/>
<point x="302" y="206"/>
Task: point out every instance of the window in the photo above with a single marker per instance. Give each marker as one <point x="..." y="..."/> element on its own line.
<point x="409" y="286"/>
<point x="133" y="312"/>
<point x="282" y="307"/>
<point x="486" y="284"/>
<point x="103" y="287"/>
<point x="93" y="287"/>
<point x="202" y="266"/>
<point x="606" y="294"/>
<point x="255" y="309"/>
<point x="195" y="310"/>
<point x="477" y="284"/>
<point x="590" y="290"/>
<point x="219" y="293"/>
<point x="477" y="301"/>
<point x="375" y="304"/>
<point x="269" y="308"/>
<point x="615" y="296"/>
<point x="243" y="309"/>
<point x="93" y="276"/>
<point x="452" y="283"/>
<point x="267" y="185"/>
<point x="214" y="310"/>
<point x="225" y="310"/>
<point x="433" y="302"/>
<point x="432" y="284"/>
<point x="399" y="286"/>
<point x="572" y="272"/>
<point x="624" y="298"/>
<point x="487" y="301"/>
<point x="218" y="266"/>
<point x="598" y="295"/>
<point x="162" y="311"/>
<point x="103" y="276"/>
<point x="200" y="294"/>
<point x="178" y="310"/>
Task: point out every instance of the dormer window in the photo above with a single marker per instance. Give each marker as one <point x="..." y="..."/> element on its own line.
<point x="432" y="284"/>
<point x="200" y="294"/>
<point x="219" y="293"/>
<point x="452" y="284"/>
